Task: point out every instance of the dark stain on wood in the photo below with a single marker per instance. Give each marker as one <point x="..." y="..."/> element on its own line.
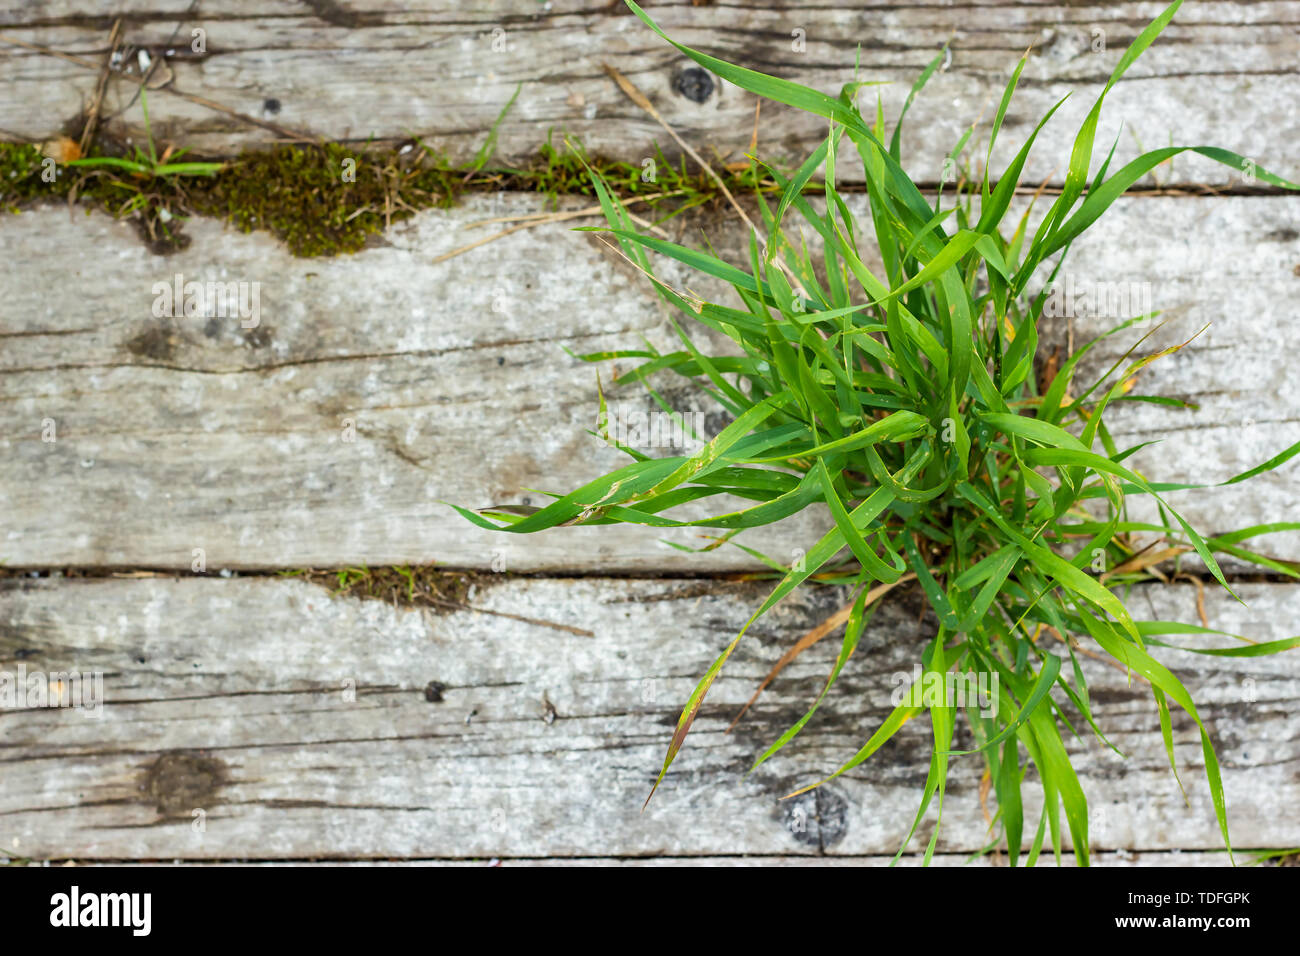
<point x="799" y="816"/>
<point x="818" y="818"/>
<point x="259" y="337"/>
<point x="157" y="342"/>
<point x="693" y="83"/>
<point x="336" y="14"/>
<point x="832" y="817"/>
<point x="181" y="782"/>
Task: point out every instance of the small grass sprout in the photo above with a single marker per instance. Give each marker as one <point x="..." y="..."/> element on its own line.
<point x="144" y="165"/>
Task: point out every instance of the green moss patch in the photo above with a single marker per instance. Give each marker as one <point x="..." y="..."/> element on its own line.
<point x="330" y="199"/>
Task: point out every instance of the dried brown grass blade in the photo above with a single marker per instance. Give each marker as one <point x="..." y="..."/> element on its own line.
<point x="96" y="102"/>
<point x="639" y="98"/>
<point x="1145" y="560"/>
<point x="816" y="634"/>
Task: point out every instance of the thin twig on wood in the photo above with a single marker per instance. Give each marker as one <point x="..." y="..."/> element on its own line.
<point x="528" y="217"/>
<point x="580" y="632"/>
<point x="92" y="114"/>
<point x="639" y="98"/>
<point x="547" y="219"/>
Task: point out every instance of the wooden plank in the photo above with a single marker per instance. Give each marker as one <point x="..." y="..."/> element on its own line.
<point x="1172" y="858"/>
<point x="1224" y="74"/>
<point x="235" y="440"/>
<point x="1121" y="858"/>
<point x="183" y="433"/>
<point x="229" y="697"/>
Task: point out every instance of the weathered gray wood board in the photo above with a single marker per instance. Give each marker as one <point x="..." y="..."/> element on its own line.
<point x="305" y="727"/>
<point x="1223" y="74"/>
<point x="235" y="440"/>
<point x="1124" y="859"/>
<point x="1119" y="858"/>
<point x="231" y="697"/>
<point x="191" y="432"/>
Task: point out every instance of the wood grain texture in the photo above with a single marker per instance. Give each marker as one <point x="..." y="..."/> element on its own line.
<point x="1117" y="858"/>
<point x="1223" y="74"/>
<point x="229" y="696"/>
<point x="453" y="375"/>
<point x="1120" y="859"/>
<point x="305" y="727"/>
<point x="193" y="432"/>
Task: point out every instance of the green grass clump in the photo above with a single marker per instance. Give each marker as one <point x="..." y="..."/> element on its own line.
<point x="145" y="163"/>
<point x="906" y="403"/>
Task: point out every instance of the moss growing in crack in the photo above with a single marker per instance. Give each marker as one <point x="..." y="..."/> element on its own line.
<point x="402" y="585"/>
<point x="330" y="199"/>
<point x="566" y="170"/>
<point x="20" y="177"/>
<point x="155" y="204"/>
<point x="318" y="200"/>
<point x="324" y="200"/>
